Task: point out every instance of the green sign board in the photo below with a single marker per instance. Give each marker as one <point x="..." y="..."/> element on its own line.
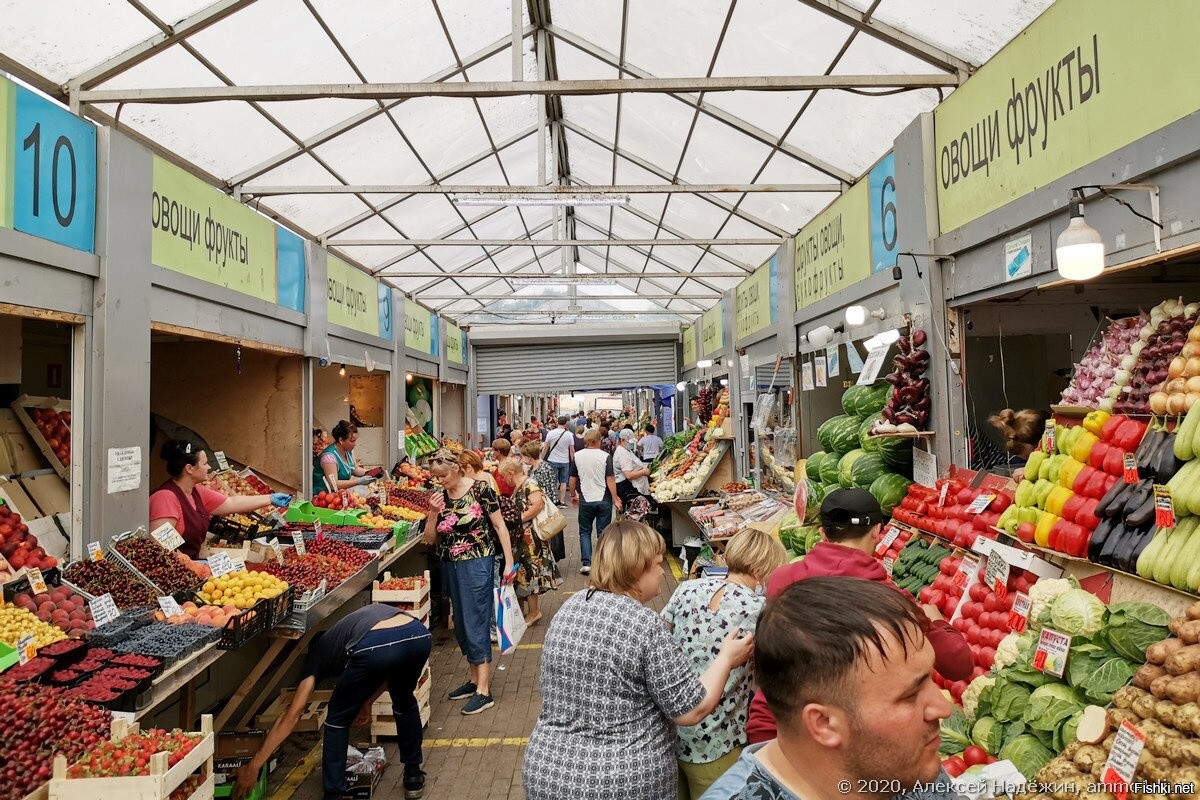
<point x="1085" y="79"/>
<point x="199" y="231"/>
<point x="712" y="330"/>
<point x="689" y="345"/>
<point x="456" y="344"/>
<point x="353" y="297"/>
<point x="756" y="300"/>
<point x="418" y="327"/>
<point x="834" y="250"/>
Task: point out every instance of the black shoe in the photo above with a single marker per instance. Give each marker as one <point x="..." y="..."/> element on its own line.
<point x="478" y="703"/>
<point x="462" y="692"/>
<point x="414" y="783"/>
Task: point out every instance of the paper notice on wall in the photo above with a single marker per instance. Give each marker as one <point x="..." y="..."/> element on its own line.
<point x="819" y="369"/>
<point x="124" y="469"/>
<point x="806" y="376"/>
<point x="833" y="361"/>
<point x="924" y="467"/>
<point x="853" y="358"/>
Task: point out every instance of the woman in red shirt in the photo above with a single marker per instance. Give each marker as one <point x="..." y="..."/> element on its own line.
<point x="188" y="505"/>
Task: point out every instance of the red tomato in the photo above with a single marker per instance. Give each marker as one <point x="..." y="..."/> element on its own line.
<point x="974" y="754"/>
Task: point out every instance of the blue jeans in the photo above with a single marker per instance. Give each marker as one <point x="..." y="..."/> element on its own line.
<point x="393" y="657"/>
<point x="599" y="512"/>
<point x="562" y="472"/>
<point x="472" y="593"/>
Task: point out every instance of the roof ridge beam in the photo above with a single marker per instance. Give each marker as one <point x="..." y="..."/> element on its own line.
<point x="550" y="190"/>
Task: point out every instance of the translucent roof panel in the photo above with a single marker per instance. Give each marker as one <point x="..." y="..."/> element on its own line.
<point x="386" y="153"/>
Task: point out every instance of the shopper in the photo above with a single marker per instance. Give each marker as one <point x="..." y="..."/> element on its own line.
<point x="629" y="472"/>
<point x="592" y="480"/>
<point x="544" y="475"/>
<point x="537" y="572"/>
<point x="650" y="445"/>
<point x="185" y="502"/>
<point x="701" y="614"/>
<point x="579" y="443"/>
<point x="1022" y="432"/>
<point x="614" y="685"/>
<point x="472" y="467"/>
<point x="581" y="420"/>
<point x="846" y="666"/>
<point x="501" y="452"/>
<point x="458" y="527"/>
<point x="374" y="648"/>
<point x="850" y="518"/>
<point x="337" y="467"/>
<point x="606" y="441"/>
<point x="558" y="451"/>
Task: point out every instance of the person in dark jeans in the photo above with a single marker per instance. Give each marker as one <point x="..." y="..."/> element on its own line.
<point x="594" y="490"/>
<point x="374" y="648"/>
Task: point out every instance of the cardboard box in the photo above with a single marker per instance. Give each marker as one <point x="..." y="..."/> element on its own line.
<point x="360" y="786"/>
<point x="15" y="498"/>
<point x="9" y="422"/>
<point x="23" y="455"/>
<point x="50" y="493"/>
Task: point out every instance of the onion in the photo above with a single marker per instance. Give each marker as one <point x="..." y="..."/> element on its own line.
<point x="1176" y="367"/>
<point x="1191" y="309"/>
<point x="1189" y="399"/>
<point x="1192" y="367"/>
<point x="1128" y="361"/>
<point x="1107" y="404"/>
<point x="1193" y="384"/>
<point x="1177" y="404"/>
<point x="1136" y="348"/>
<point x="1158" y="402"/>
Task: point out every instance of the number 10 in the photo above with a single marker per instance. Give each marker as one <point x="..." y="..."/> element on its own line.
<point x="34" y="140"/>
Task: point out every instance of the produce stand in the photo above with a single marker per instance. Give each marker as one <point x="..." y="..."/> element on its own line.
<point x="301" y="621"/>
<point x="21" y="407"/>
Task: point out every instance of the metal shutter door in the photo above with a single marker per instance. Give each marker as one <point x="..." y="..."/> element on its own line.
<point x="555" y="368"/>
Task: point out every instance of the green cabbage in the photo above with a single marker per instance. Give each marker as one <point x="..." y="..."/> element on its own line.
<point x="1009" y="699"/>
<point x="988" y="734"/>
<point x="1097" y="671"/>
<point x="1045" y="592"/>
<point x="1027" y="754"/>
<point x="1052" y="705"/>
<point x="1132" y="627"/>
<point x="1077" y="612"/>
<point x="955" y="733"/>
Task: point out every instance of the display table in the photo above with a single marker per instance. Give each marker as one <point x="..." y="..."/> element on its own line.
<point x="299" y="622"/>
<point x="179" y="681"/>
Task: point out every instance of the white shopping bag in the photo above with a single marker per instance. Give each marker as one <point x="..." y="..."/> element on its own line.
<point x="510" y="622"/>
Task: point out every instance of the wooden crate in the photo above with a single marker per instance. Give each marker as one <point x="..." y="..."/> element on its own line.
<point x="383" y="703"/>
<point x="385" y="724"/>
<point x="414" y="598"/>
<point x="50" y="493"/>
<point x="19" y="407"/>
<point x="158" y="785"/>
<point x="314" y="713"/>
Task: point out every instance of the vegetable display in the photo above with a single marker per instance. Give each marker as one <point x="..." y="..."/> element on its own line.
<point x="922" y="508"/>
<point x="1165" y="336"/>
<point x="917" y="565"/>
<point x="1106" y="364"/>
<point x="682" y="475"/>
<point x="907" y="408"/>
<point x="156" y="564"/>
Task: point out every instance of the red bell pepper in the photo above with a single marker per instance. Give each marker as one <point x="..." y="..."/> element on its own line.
<point x="1129" y="435"/>
<point x="1086" y="517"/>
<point x="1056" y="533"/>
<point x="1073" y="506"/>
<point x="1096" y="457"/>
<point x="1114" y="463"/>
<point x="1110" y="427"/>
<point x="1096" y="486"/>
<point x="1081" y="480"/>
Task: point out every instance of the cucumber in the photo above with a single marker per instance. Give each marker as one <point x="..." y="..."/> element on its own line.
<point x="1184" y="448"/>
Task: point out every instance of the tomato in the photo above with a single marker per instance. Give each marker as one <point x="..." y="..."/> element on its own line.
<point x="954" y="766"/>
<point x="974" y="754"/>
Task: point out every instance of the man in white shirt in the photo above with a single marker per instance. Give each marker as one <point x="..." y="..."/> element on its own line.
<point x="559" y="451"/>
<point x="594" y="490"/>
<point x="650" y="445"/>
<point x="631" y="475"/>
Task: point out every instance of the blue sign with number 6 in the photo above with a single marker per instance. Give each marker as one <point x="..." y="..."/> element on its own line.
<point x="54" y="168"/>
<point x="884" y="234"/>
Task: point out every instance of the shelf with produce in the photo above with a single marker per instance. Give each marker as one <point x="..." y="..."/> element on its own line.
<point x="710" y="468"/>
<point x="168" y="685"/>
<point x="306" y="618"/>
<point x="48" y="423"/>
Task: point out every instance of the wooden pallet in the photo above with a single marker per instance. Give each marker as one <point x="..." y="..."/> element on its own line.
<point x="314" y="713"/>
<point x="158" y="785"/>
<point x="29" y="401"/>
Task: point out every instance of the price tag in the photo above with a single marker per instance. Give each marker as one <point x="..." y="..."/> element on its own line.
<point x="298" y="540"/>
<point x="1129" y="463"/>
<point x="1048" y="438"/>
<point x="889" y="564"/>
<point x="1051" y="653"/>
<point x="967" y="569"/>
<point x="169" y="606"/>
<point x="26" y="649"/>
<point x="103" y="609"/>
<point x="995" y="574"/>
<point x="890" y="535"/>
<point x="980" y="503"/>
<point x="318" y="531"/>
<point x="220" y="564"/>
<point x="168" y="537"/>
<point x="94" y="551"/>
<point x="1164" y="507"/>
<point x="37" y="583"/>
<point x="1123" y="759"/>
<point x="237" y="564"/>
<point x="127" y="716"/>
<point x="872" y="365"/>
<point x="942" y="495"/>
<point x="1018" y="616"/>
<point x="222" y="461"/>
<point x="278" y="548"/>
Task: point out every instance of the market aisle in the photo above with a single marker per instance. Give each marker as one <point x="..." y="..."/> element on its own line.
<point x="477" y="756"/>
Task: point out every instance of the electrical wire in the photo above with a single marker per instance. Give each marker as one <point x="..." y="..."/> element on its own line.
<point x="1104" y="191"/>
<point x="1003" y="372"/>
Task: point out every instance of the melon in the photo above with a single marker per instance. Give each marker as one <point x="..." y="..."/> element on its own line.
<point x="865" y="470"/>
<point x="889" y="489"/>
<point x="846" y="464"/>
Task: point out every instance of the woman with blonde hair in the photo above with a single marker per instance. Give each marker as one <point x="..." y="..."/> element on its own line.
<point x="546" y="477"/>
<point x="537" y="571"/>
<point x="614" y="684"/>
<point x="472" y="467"/>
<point x="701" y="614"/>
<point x="1022" y="433"/>
<point x="501" y="452"/>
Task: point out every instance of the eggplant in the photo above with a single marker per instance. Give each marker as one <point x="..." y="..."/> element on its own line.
<point x="1112" y="544"/>
<point x="1144" y="515"/>
<point x="1135" y="499"/>
<point x="1111" y="501"/>
<point x="1166" y="465"/>
<point x="1149" y="445"/>
<point x="1100" y="536"/>
<point x="1143" y="542"/>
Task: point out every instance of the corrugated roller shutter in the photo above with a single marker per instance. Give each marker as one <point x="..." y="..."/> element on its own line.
<point x="554" y="368"/>
<point x="763" y="375"/>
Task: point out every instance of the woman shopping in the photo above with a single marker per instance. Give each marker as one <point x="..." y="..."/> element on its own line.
<point x="337" y="467"/>
<point x="472" y="467"/>
<point x="615" y="685"/>
<point x="189" y="505"/>
<point x="546" y="476"/>
<point x="460" y="525"/>
<point x="537" y="572"/>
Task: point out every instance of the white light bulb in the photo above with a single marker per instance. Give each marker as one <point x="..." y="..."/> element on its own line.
<point x="856" y="315"/>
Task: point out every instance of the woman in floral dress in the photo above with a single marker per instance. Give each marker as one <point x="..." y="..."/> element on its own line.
<point x="537" y="571"/>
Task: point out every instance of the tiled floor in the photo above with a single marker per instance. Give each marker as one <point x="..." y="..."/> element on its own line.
<point x="465" y="757"/>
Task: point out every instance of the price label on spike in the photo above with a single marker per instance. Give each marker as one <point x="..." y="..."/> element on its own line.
<point x="968" y="567"/>
<point x="1123" y="759"/>
<point x="26" y="650"/>
<point x="318" y="531"/>
<point x="1018" y="616"/>
<point x="169" y="606"/>
<point x="980" y="503"/>
<point x="222" y="461"/>
<point x="37" y="583"/>
<point x="1129" y="465"/>
<point x="1048" y="438"/>
<point x="1164" y="506"/>
<point x="95" y="553"/>
<point x="277" y="548"/>
<point x="167" y="536"/>
<point x="298" y="540"/>
<point x="220" y="564"/>
<point x="889" y="537"/>
<point x="1051" y="653"/>
<point x="995" y="575"/>
<point x="942" y="495"/>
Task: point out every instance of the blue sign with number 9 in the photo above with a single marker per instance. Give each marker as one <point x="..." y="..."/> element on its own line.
<point x="54" y="196"/>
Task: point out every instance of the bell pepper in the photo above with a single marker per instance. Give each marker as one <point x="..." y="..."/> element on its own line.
<point x="1094" y="421"/>
<point x="1044" y="467"/>
<point x="1069" y="472"/>
<point x="1067" y="537"/>
<point x="1081" y="445"/>
<point x="1075" y="503"/>
<point x="1008" y="515"/>
<point x="1114" y="461"/>
<point x="1058" y="498"/>
<point x="1099" y="451"/>
<point x="1081" y="480"/>
<point x="1032" y="465"/>
<point x="1024" y="494"/>
<point x="1030" y="515"/>
<point x="1097" y="486"/>
<point x="1042" y="491"/>
<point x="1056" y="464"/>
<point x="1061" y="436"/>
<point x="1056" y="531"/>
<point x="1129" y="435"/>
<point x="1111" y="425"/>
<point x="1041" y="533"/>
<point x="1087" y="515"/>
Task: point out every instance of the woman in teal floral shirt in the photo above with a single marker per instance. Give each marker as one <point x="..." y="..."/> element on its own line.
<point x="464" y="524"/>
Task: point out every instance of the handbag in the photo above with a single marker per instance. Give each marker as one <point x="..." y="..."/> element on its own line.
<point x="549" y="522"/>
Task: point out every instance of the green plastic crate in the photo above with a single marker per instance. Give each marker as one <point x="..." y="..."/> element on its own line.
<point x="257" y="793"/>
<point x="8" y="656"/>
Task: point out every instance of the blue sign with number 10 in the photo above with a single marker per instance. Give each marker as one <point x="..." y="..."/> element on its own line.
<point x="54" y="171"/>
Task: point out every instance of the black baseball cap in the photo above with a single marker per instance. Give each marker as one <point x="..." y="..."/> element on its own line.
<point x="856" y="507"/>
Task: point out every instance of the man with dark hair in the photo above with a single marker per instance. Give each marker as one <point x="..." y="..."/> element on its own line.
<point x="847" y="670"/>
<point x="850" y="518"/>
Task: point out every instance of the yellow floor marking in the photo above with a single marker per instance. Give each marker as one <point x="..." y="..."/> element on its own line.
<point x="676" y="569"/>
<point x="298" y="774"/>
<point x="529" y="647"/>
<point x="518" y="741"/>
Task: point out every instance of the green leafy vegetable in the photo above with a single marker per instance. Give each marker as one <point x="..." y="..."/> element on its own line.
<point x="1132" y="627"/>
<point x="1097" y="671"/>
<point x="955" y="733"/>
<point x="1009" y="699"/>
<point x="1052" y="705"/>
<point x="1027" y="754"/>
<point x="988" y="734"/>
<point x="1077" y="612"/>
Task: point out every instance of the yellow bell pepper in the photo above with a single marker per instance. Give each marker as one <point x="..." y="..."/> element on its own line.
<point x="1058" y="498"/>
<point x="1069" y="472"/>
<point x="1094" y="421"/>
<point x="1081" y="450"/>
<point x="1041" y="534"/>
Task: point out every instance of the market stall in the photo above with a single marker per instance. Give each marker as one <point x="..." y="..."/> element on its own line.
<point x="453" y="398"/>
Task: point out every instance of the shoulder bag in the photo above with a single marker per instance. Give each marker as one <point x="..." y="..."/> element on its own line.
<point x="549" y="522"/>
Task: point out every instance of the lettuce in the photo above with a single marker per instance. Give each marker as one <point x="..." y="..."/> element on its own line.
<point x="1077" y="612"/>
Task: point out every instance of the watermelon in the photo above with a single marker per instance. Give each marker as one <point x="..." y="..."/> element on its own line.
<point x="864" y="434"/>
<point x="813" y="466"/>
<point x="825" y="433"/>
<point x="850" y="400"/>
<point x="829" y="468"/>
<point x="846" y="464"/>
<point x="865" y="470"/>
<point x="842" y="434"/>
<point x="863" y="401"/>
<point x="816" y="493"/>
<point x="889" y="489"/>
<point x="897" y="454"/>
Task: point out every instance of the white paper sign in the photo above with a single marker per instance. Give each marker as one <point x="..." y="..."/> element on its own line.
<point x="819" y="369"/>
<point x="278" y="548"/>
<point x="1126" y="752"/>
<point x="871" y="367"/>
<point x="169" y="606"/>
<point x="853" y="358"/>
<point x="222" y="461"/>
<point x="104" y="609"/>
<point x="890" y="535"/>
<point x="833" y="360"/>
<point x="167" y="536"/>
<point x="128" y="716"/>
<point x="1051" y="653"/>
<point x="889" y="564"/>
<point x="37" y="583"/>
<point x="744" y="365"/>
<point x="995" y="574"/>
<point x="924" y="468"/>
<point x="1018" y="258"/>
<point x="124" y="469"/>
<point x="238" y="565"/>
<point x="25" y="648"/>
<point x="298" y="540"/>
<point x="806" y="377"/>
<point x="980" y="503"/>
<point x="94" y="551"/>
<point x="220" y="564"/>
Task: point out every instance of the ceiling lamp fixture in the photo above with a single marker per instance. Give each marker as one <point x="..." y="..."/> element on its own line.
<point x="857" y="315"/>
<point x="539" y="199"/>
<point x="704" y="363"/>
<point x="342" y="371"/>
<point x="1079" y="250"/>
<point x="681" y="386"/>
<point x="564" y="280"/>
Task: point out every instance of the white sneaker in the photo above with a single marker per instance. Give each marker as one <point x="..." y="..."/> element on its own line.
<point x="585" y="570"/>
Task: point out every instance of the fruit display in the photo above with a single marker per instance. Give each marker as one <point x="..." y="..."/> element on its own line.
<point x="410" y="498"/>
<point x="18" y="546"/>
<point x="685" y="473"/>
<point x="60" y="607"/>
<point x="326" y="560"/>
<point x="240" y="589"/>
<point x="339" y="501"/>
<point x="156" y="564"/>
<point x="55" y="428"/>
<point x="415" y="476"/>
<point x="234" y="484"/>
<point x="17" y="622"/>
<point x="1179" y="392"/>
<point x="360" y="536"/>
<point x="1171" y="558"/>
<point x="390" y="514"/>
<point x="409" y="584"/>
<point x="1107" y="365"/>
<point x="131" y="754"/>
<point x="907" y="407"/>
<point x="105" y="577"/>
<point x="954" y="519"/>
<point x="198" y="568"/>
<point x="702" y="406"/>
<point x="418" y="443"/>
<point x="213" y="615"/>
<point x="166" y="641"/>
<point x="453" y="445"/>
<point x="41" y="722"/>
<point x="721" y="412"/>
<point x="850" y="438"/>
<point x="1165" y="335"/>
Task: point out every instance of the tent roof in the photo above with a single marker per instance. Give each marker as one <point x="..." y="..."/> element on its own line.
<point x="408" y="100"/>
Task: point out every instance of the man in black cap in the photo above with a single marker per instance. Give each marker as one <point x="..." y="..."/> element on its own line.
<point x="850" y="518"/>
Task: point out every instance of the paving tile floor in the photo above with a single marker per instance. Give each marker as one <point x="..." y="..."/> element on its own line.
<point x="465" y="757"/>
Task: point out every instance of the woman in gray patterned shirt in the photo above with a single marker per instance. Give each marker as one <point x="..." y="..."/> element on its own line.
<point x="615" y="685"/>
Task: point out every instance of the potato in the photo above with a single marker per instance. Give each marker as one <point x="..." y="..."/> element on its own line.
<point x="1069" y="752"/>
<point x="1176" y="624"/>
<point x="1109" y="742"/>
<point x="1164" y="712"/>
<point x="1159" y="652"/>
<point x="1189" y="631"/>
<point x="1119" y="715"/>
<point x="1090" y="759"/>
<point x="1146" y="675"/>
<point x="1144" y="706"/>
<point x="1159" y="687"/>
<point x="1183" y="660"/>
<point x="1126" y="696"/>
<point x="1181" y="750"/>
<point x="1187" y="719"/>
<point x="1193" y="611"/>
<point x="1154" y="768"/>
<point x="1183" y="688"/>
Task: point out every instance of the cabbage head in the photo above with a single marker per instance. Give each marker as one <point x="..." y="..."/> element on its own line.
<point x="1077" y="612"/>
<point x="988" y="734"/>
<point x="1027" y="754"/>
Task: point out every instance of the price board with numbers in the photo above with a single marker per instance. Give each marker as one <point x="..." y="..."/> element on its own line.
<point x="168" y="537"/>
<point x="104" y="609"/>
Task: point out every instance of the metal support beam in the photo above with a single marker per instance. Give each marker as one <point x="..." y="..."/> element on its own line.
<point x="550" y="242"/>
<point x="584" y="313"/>
<point x="918" y="48"/>
<point x="518" y="68"/>
<point x="395" y="91"/>
<point x="603" y="298"/>
<point x="678" y="276"/>
<point x="550" y="190"/>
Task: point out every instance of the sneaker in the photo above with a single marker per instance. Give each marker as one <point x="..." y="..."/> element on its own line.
<point x="586" y="569"/>
<point x="414" y="783"/>
<point x="478" y="702"/>
<point x="462" y="692"/>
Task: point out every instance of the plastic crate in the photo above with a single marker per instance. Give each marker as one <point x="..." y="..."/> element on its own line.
<point x="8" y="656"/>
<point x="245" y="626"/>
<point x="279" y="608"/>
<point x="257" y="793"/>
